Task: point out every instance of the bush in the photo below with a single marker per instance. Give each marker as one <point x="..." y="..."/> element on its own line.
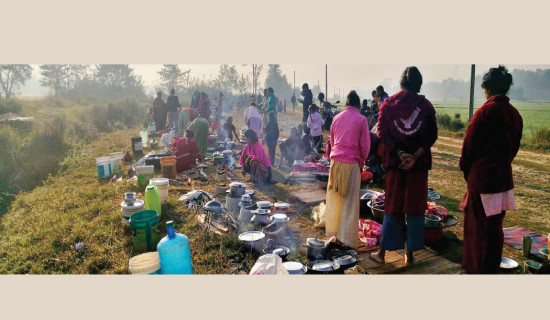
<point x="10" y="106"/>
<point x="117" y="115"/>
<point x="540" y="139"/>
<point x="444" y="121"/>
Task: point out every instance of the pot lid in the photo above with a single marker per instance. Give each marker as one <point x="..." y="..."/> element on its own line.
<point x="279" y="217"/>
<point x="314" y="242"/>
<point x="261" y="211"/>
<point x="264" y="204"/>
<point x="323" y="265"/>
<point x="225" y="152"/>
<point x="282" y="205"/>
<point x="344" y="259"/>
<point x="138" y="204"/>
<point x="213" y="205"/>
<point x="237" y="184"/>
<point x="159" y="181"/>
<point x="251" y="236"/>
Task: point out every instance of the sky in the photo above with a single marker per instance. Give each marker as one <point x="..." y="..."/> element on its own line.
<point x="341" y="78"/>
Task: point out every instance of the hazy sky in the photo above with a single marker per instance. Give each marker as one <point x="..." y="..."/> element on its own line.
<point x="340" y="77"/>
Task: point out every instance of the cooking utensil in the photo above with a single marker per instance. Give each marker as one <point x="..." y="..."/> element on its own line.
<point x="213" y="205"/>
<point x="279" y="218"/>
<point x="432" y="221"/>
<point x="253" y="240"/>
<point x="237" y="189"/>
<point x="294" y="268"/>
<point x="281" y="251"/>
<point x="323" y="267"/>
<point x="346" y="259"/>
<point x="508" y="264"/>
<point x="316" y="249"/>
<point x="527" y="243"/>
<point x="264" y="204"/>
<point x="532" y="267"/>
<point x="130" y="198"/>
<point x="377" y="211"/>
<point x="260" y="216"/>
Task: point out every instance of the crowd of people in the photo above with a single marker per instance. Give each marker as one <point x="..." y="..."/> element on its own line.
<point x="394" y="134"/>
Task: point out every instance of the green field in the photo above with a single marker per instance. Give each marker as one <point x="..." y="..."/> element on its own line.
<point x="535" y="114"/>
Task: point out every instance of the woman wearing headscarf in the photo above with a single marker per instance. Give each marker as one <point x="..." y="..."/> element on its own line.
<point x="186" y="152"/>
<point x="491" y="142"/>
<point x="205" y="107"/>
<point x="350" y="143"/>
<point x="200" y="129"/>
<point x="407" y="129"/>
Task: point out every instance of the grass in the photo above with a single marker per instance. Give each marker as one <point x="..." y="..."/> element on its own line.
<point x="39" y="232"/>
<point x="535" y="114"/>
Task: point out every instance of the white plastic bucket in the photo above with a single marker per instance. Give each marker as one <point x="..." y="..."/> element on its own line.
<point x="116" y="165"/>
<point x="103" y="167"/>
<point x="162" y="185"/>
<point x="146" y="263"/>
<point x="127" y="211"/>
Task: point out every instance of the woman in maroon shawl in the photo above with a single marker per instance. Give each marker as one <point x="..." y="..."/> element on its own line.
<point x="186" y="152"/>
<point x="205" y="106"/>
<point x="492" y="141"/>
<point x="407" y="129"/>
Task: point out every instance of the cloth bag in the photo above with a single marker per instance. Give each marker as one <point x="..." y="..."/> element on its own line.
<point x="269" y="264"/>
<point x="318" y="215"/>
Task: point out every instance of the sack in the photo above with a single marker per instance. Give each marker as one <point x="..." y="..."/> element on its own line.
<point x="318" y="215"/>
<point x="269" y="264"/>
<point x="166" y="139"/>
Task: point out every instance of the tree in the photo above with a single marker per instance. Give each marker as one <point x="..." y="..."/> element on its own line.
<point x="13" y="76"/>
<point x="172" y="77"/>
<point x="227" y="79"/>
<point x="74" y="73"/>
<point x="278" y="81"/>
<point x="52" y="77"/>
<point x="117" y="80"/>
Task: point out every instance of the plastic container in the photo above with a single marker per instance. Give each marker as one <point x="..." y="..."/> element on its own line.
<point x="162" y="186"/>
<point x="128" y="210"/>
<point x="144" y="135"/>
<point x="145" y="235"/>
<point x="152" y="199"/>
<point x="144" y="175"/>
<point x="152" y="128"/>
<point x="168" y="167"/>
<point x="174" y="252"/>
<point x="145" y="263"/>
<point x="137" y="144"/>
<point x="116" y="164"/>
<point x="103" y="167"/>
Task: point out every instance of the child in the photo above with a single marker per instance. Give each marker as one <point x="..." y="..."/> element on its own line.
<point x="271" y="135"/>
<point x="315" y="124"/>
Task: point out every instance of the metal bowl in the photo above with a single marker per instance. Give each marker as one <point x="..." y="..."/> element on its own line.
<point x="377" y="212"/>
<point x="253" y="240"/>
<point x="281" y="251"/>
<point x="432" y="221"/>
<point x="294" y="267"/>
<point x="346" y="259"/>
<point x="533" y="267"/>
<point x="508" y="264"/>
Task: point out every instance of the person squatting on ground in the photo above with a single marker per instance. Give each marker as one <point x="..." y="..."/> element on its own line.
<point x="253" y="159"/>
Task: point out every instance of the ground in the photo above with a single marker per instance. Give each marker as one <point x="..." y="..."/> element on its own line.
<point x="39" y="233"/>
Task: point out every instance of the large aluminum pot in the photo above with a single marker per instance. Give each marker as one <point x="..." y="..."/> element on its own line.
<point x="237" y="189"/>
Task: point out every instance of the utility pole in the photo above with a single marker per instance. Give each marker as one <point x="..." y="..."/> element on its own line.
<point x="472" y="85"/>
<point x="254" y="79"/>
<point x="294" y="87"/>
<point x="326" y="81"/>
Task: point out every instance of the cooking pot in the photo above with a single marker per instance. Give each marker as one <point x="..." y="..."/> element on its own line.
<point x="260" y="216"/>
<point x="230" y="145"/>
<point x="316" y="249"/>
<point x="213" y="206"/>
<point x="130" y="198"/>
<point x="281" y="206"/>
<point x="237" y="189"/>
<point x="323" y="267"/>
<point x="253" y="240"/>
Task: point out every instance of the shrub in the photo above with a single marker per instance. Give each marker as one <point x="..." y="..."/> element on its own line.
<point x="540" y="139"/>
<point x="10" y="106"/>
<point x="443" y="120"/>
